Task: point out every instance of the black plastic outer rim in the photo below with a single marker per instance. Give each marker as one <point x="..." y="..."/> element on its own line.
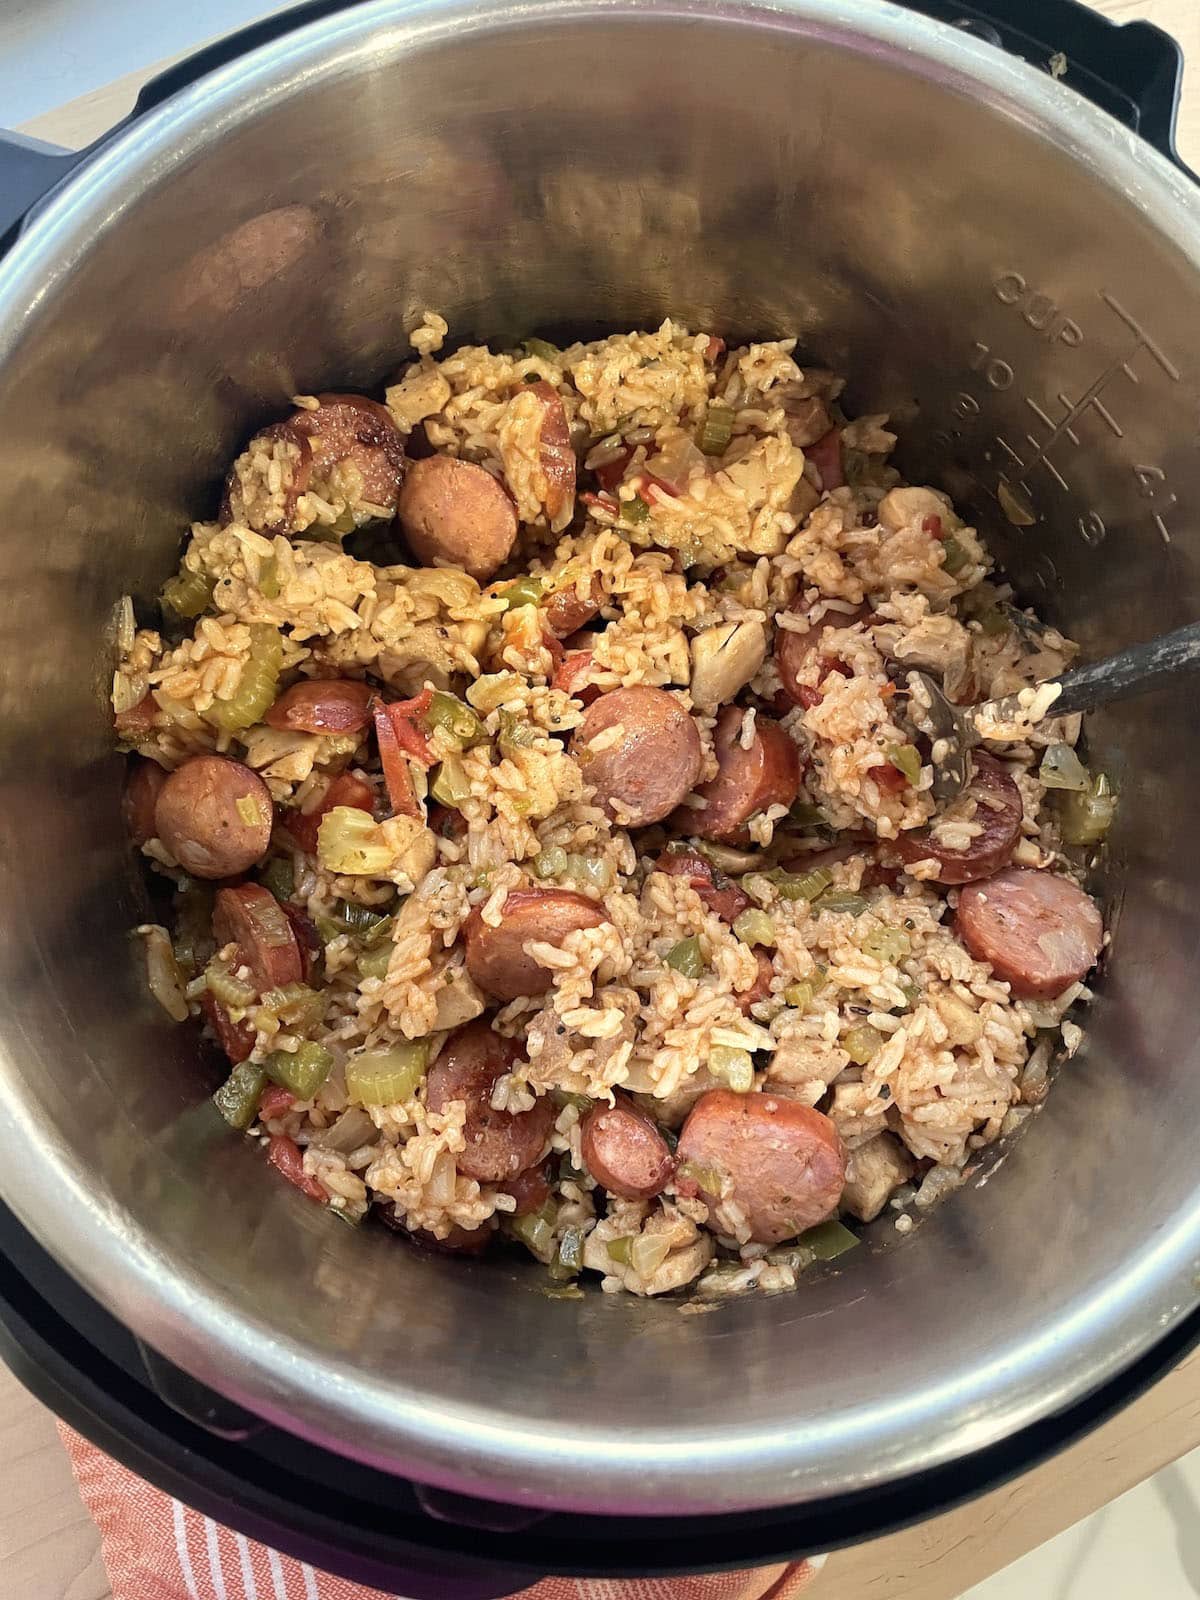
<point x="301" y="1500"/>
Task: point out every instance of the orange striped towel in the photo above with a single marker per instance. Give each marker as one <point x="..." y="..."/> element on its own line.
<point x="156" y="1548"/>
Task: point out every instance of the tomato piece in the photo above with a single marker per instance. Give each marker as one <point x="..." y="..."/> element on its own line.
<point x="416" y="707"/>
<point x="932" y="525"/>
<point x="610" y="474"/>
<point x="285" y="1156"/>
<point x="345" y="790"/>
<point x="714" y="348"/>
<point x="276" y="1101"/>
<point x="235" y="1038"/>
<point x="396" y="775"/>
<point x="571" y="671"/>
<point x="889" y="778"/>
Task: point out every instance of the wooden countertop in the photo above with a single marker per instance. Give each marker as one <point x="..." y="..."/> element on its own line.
<point x="49" y="1549"/>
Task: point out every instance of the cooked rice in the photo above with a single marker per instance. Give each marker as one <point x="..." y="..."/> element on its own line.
<point x="744" y="538"/>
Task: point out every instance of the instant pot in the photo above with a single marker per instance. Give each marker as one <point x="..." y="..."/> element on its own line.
<point x="974" y="212"/>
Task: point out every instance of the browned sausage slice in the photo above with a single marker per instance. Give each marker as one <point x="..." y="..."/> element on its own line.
<point x="496" y="957"/>
<point x="642" y="775"/>
<point x="747" y="780"/>
<point x="761" y="987"/>
<point x="499" y="1144"/>
<point x="530" y="1189"/>
<point x="624" y="1151"/>
<point x="781" y="1163"/>
<point x="1039" y="932"/>
<point x="322" y="705"/>
<point x="455" y="514"/>
<point x="251" y="917"/>
<point x="354" y="429"/>
<point x="794" y="650"/>
<point x="274" y="515"/>
<point x="716" y="892"/>
<point x="563" y="611"/>
<point x="998" y="813"/>
<point x="556" y="456"/>
<point x="214" y="816"/>
<point x="140" y="800"/>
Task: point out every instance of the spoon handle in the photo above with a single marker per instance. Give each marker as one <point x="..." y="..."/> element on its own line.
<point x="1130" y="672"/>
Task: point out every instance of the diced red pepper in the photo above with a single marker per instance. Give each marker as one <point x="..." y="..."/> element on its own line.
<point x="414" y="708"/>
<point x="826" y="456"/>
<point x="714" y="348"/>
<point x="285" y="1156"/>
<point x="396" y="775"/>
<point x="345" y="790"/>
<point x="610" y="474"/>
<point x="604" y="501"/>
<point x="570" y="673"/>
<point x="411" y="740"/>
<point x="889" y="778"/>
<point x="235" y="1038"/>
<point x="276" y="1101"/>
<point x="726" y="900"/>
<point x="932" y="525"/>
<point x="138" y="720"/>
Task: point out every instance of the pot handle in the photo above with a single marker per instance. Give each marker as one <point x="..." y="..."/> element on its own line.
<point x="1133" y="70"/>
<point x="31" y="169"/>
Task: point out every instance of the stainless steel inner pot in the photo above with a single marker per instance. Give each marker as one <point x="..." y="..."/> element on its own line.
<point x="1009" y="273"/>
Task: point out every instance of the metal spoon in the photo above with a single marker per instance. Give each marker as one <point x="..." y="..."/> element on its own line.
<point x="954" y="731"/>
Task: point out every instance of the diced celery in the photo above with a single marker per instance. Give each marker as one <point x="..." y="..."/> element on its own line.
<point x="527" y="591"/>
<point x="237" y="1098"/>
<point x="754" y="926"/>
<point x="635" y="510"/>
<point x="295" y="1004"/>
<point x="541" y="348"/>
<point x="303" y="1070"/>
<point x="382" y="1077"/>
<point x="806" y="815"/>
<point x="803" y="993"/>
<point x="842" y="900"/>
<point x="550" y="863"/>
<point x="906" y="759"/>
<point x="1061" y="768"/>
<point x="716" y="430"/>
<point x="887" y="944"/>
<point x="619" y="1250"/>
<point x="515" y="733"/>
<point x="800" y="885"/>
<point x="374" y="963"/>
<point x="188" y="593"/>
<point x="279" y="876"/>
<point x="735" y="1068"/>
<point x="258" y="685"/>
<point x="1087" y="817"/>
<point x="451" y="785"/>
<point x="685" y="957"/>
<point x="861" y="1041"/>
<point x="828" y="1240"/>
<point x="350" y="841"/>
<point x="536" y="1230"/>
<point x="569" y="1259"/>
<point x="955" y="555"/>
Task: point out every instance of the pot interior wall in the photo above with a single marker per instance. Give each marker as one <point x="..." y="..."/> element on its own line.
<point x="759" y="174"/>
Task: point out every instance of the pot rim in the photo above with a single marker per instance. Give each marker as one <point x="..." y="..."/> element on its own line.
<point x="473" y="1448"/>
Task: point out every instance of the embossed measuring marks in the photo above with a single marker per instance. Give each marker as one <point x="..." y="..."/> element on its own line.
<point x="1048" y="433"/>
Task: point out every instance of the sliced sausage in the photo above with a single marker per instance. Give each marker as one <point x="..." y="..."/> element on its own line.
<point x="781" y="1163"/>
<point x="998" y="813"/>
<point x="455" y="514"/>
<point x="1038" y="931"/>
<point x="235" y="1038"/>
<point x="747" y="780"/>
<point x="644" y="773"/>
<point x="345" y="790"/>
<point x="353" y="429"/>
<point x="563" y="611"/>
<point x="251" y="917"/>
<point x="322" y="705"/>
<point x="530" y="1189"/>
<point x="825" y="454"/>
<point x="794" y="650"/>
<point x="761" y="987"/>
<point x="716" y="892"/>
<point x="556" y="457"/>
<point x="499" y="1144"/>
<point x="496" y="958"/>
<point x="140" y="800"/>
<point x="279" y="516"/>
<point x="624" y="1151"/>
<point x="214" y="816"/>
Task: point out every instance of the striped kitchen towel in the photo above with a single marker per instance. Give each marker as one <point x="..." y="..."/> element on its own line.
<point x="155" y="1548"/>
